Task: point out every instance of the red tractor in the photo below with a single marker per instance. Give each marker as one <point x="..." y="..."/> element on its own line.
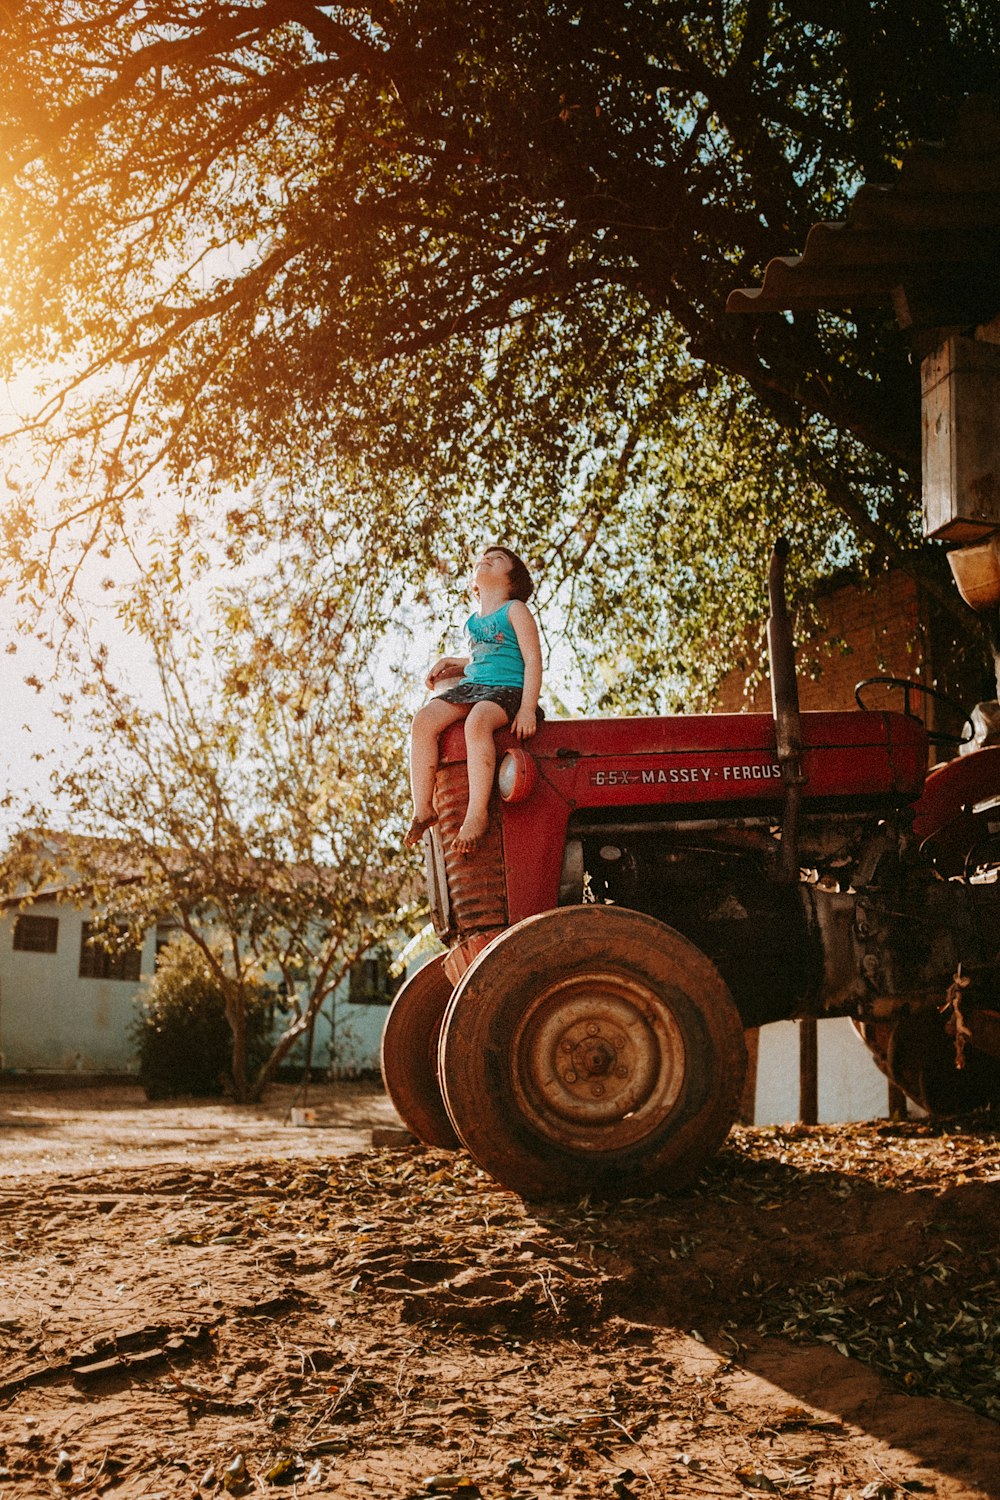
<point x="650" y="888"/>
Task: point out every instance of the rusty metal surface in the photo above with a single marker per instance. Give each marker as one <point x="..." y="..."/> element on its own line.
<point x="476" y="882"/>
<point x="984" y="1026"/>
<point x="463" y="954"/>
<point x="598" y="1058"/>
<point x="916" y="1051"/>
<point x="437" y="885"/>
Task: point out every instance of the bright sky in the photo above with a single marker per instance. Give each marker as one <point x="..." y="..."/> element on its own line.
<point x="32" y="734"/>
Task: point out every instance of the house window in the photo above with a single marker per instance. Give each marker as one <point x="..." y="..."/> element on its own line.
<point x="36" y="934"/>
<point x="97" y="963"/>
<point x="371" y="983"/>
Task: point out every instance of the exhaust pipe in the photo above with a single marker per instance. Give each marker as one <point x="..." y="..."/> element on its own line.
<point x="785" y="708"/>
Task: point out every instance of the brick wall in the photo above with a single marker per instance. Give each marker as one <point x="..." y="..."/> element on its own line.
<point x="861" y="631"/>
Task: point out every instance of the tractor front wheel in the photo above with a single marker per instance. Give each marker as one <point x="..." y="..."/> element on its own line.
<point x="409" y="1055"/>
<point x="591" y="1049"/>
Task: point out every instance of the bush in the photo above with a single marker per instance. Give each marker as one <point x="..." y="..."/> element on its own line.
<point x="184" y="1041"/>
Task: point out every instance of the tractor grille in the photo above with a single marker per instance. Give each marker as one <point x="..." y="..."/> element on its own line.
<point x="476" y="887"/>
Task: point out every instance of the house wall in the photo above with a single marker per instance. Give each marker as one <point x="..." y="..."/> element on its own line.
<point x="52" y="1020"/>
<point x="348" y="1036"/>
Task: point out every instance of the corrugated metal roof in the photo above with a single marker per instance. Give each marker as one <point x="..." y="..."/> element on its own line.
<point x="929" y="242"/>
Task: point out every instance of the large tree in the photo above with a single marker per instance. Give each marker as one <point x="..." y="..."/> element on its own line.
<point x="450" y="263"/>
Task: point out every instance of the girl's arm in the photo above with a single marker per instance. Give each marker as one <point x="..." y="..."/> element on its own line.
<point x="526" y="719"/>
<point x="445" y="666"/>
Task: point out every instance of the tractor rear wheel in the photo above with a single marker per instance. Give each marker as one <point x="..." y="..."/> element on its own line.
<point x="592" y="1049"/>
<point x="916" y="1052"/>
<point x="409" y="1055"/>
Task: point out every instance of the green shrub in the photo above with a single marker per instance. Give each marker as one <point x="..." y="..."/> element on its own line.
<point x="184" y="1041"/>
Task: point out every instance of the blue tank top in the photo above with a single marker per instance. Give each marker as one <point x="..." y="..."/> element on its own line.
<point x="492" y="645"/>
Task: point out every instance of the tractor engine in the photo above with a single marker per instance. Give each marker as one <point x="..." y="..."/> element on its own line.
<point x="872" y="931"/>
<point x="869" y="929"/>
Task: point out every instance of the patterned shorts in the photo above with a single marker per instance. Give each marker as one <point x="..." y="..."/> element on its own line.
<point x="509" y="698"/>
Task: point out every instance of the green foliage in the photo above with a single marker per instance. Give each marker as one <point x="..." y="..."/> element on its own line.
<point x="183" y="1038"/>
<point x="437" y="269"/>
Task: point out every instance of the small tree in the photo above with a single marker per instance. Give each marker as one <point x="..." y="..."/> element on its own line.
<point x="182" y="1036"/>
<point x="257" y="806"/>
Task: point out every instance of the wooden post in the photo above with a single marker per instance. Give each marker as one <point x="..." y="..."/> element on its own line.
<point x="961" y="437"/>
<point x="808" y="1072"/>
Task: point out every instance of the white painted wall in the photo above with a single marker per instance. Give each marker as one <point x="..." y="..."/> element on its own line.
<point x="348" y="1036"/>
<point x="50" y="1018"/>
<point x="850" y="1085"/>
<point x="351" y="1044"/>
<point x="53" y="1021"/>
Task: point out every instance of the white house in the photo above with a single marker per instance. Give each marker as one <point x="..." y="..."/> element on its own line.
<point x="67" y="1004"/>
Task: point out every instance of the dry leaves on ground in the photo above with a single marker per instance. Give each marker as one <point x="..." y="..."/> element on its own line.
<point x="817" y="1317"/>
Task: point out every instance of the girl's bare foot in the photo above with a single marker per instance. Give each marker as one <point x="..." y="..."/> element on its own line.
<point x="418" y="828"/>
<point x="470" y="833"/>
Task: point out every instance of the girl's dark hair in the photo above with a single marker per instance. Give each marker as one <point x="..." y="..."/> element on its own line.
<point x="522" y="585"/>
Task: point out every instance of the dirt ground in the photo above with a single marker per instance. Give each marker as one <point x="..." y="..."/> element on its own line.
<point x="199" y="1301"/>
<point x="82" y="1129"/>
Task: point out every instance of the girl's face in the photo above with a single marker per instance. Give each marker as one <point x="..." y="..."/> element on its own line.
<point x="492" y="568"/>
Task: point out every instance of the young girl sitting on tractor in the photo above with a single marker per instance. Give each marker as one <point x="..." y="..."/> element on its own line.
<point x="498" y="685"/>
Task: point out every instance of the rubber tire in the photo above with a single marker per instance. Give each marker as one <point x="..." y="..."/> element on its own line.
<point x="409" y="1055"/>
<point x="482" y="1075"/>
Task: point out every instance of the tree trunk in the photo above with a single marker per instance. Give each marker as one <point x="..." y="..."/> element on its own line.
<point x="279" y="1052"/>
<point x="236" y="1013"/>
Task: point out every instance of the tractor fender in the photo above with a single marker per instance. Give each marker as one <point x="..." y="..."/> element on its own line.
<point x="952" y="817"/>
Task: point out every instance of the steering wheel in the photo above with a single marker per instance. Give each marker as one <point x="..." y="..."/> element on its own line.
<point x="908" y="685"/>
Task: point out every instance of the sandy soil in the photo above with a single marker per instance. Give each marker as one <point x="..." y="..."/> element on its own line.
<point x="197" y="1301"/>
<point x="82" y="1128"/>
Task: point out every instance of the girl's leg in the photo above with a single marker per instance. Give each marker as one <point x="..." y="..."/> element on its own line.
<point x="481" y="757"/>
<point x="428" y="724"/>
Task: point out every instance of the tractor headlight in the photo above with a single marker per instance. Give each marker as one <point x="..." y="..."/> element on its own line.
<point x="517" y="775"/>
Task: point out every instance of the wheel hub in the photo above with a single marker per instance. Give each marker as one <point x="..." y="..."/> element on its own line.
<point x="598" y="1060"/>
